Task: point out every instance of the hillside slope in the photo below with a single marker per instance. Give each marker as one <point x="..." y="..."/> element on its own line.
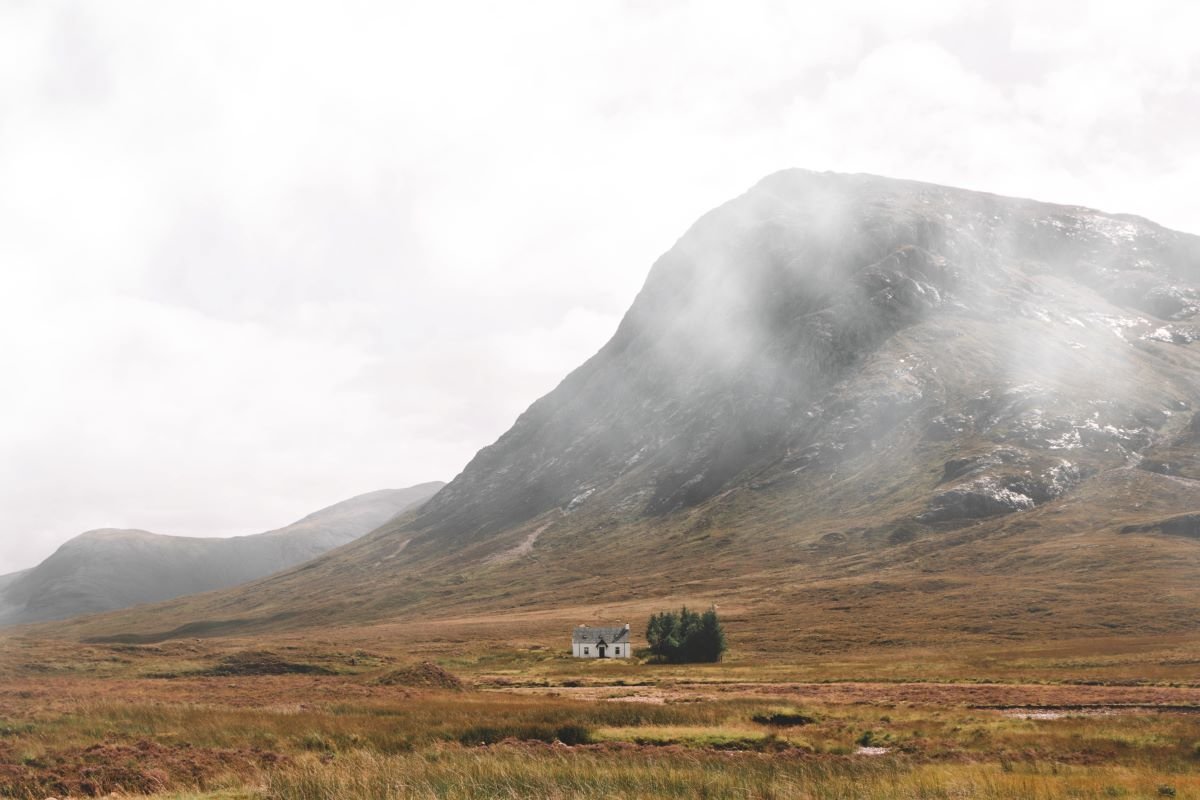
<point x="108" y="569"/>
<point x="876" y="410"/>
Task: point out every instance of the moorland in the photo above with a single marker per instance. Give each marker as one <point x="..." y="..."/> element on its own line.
<point x="439" y="710"/>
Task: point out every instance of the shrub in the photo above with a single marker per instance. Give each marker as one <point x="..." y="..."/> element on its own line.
<point x="783" y="718"/>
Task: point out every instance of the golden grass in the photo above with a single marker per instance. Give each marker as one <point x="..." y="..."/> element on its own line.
<point x="538" y="724"/>
<point x="244" y="743"/>
<point x="517" y="773"/>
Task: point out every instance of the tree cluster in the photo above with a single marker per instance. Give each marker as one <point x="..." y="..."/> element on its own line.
<point x="686" y="637"/>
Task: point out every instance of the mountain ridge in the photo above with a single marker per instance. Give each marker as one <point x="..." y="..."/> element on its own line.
<point x="829" y="383"/>
<point x="110" y="568"/>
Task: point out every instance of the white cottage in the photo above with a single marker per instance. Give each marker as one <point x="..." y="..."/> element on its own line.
<point x="589" y="642"/>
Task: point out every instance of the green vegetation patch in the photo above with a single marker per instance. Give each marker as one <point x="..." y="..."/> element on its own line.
<point x="489" y="734"/>
<point x="783" y="718"/>
<point x="707" y="737"/>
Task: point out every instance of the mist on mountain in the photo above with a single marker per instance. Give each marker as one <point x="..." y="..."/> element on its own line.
<point x="936" y="401"/>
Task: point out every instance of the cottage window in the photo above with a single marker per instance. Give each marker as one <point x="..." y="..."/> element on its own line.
<point x="617" y="650"/>
<point x="585" y="651"/>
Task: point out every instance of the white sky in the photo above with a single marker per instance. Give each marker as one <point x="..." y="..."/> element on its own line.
<point x="257" y="257"/>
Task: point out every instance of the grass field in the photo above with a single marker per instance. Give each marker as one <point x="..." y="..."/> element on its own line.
<point x="293" y="718"/>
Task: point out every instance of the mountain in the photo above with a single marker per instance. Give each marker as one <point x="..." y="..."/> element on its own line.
<point x="5" y="582"/>
<point x="854" y="410"/>
<point x="108" y="569"/>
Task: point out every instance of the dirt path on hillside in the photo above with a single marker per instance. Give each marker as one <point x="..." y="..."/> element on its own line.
<point x="522" y="549"/>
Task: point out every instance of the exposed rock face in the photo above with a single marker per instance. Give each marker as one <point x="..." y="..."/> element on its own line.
<point x="999" y="482"/>
<point x="982" y="497"/>
<point x="804" y="323"/>
<point x="108" y="569"/>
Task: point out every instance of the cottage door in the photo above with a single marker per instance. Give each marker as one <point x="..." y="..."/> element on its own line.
<point x="602" y="649"/>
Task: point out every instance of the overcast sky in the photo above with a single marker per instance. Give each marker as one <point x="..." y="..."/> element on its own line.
<point x="258" y="257"/>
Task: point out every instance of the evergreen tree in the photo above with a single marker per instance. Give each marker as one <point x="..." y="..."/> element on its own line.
<point x="655" y="633"/>
<point x="686" y="636"/>
<point x="712" y="637"/>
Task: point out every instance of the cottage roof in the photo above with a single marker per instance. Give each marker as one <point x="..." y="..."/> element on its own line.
<point x="611" y="635"/>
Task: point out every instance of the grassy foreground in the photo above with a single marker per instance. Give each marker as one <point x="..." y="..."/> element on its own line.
<point x="514" y="773"/>
<point x="249" y="742"/>
<point x="214" y="719"/>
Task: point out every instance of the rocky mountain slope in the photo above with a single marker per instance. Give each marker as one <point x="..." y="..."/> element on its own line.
<point x="110" y="569"/>
<point x="903" y="411"/>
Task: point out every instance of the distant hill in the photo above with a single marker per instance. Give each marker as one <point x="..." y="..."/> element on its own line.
<point x="109" y="569"/>
<point x="855" y="411"/>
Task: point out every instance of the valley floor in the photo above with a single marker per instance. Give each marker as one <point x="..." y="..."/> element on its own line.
<point x="297" y="719"/>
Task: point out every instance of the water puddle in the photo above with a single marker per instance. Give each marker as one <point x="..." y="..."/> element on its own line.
<point x="872" y="751"/>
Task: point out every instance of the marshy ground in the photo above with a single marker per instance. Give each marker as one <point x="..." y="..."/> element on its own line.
<point x="364" y="717"/>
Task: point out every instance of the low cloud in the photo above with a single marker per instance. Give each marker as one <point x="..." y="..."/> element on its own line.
<point x="259" y="257"/>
